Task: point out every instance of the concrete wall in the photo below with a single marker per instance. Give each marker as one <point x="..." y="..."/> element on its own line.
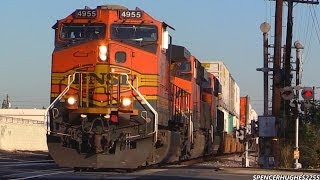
<point x="22" y="129"/>
<point x="33" y="114"/>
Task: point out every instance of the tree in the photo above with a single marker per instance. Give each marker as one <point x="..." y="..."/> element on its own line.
<point x="310" y="136"/>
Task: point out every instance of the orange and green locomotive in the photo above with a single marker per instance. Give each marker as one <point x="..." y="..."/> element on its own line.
<point x="115" y="98"/>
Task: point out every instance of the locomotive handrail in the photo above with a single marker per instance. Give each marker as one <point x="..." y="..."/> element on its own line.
<point x="190" y="133"/>
<point x="148" y="104"/>
<point x="191" y="129"/>
<point x="70" y="81"/>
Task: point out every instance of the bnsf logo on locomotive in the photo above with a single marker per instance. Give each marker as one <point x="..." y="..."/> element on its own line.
<point x="101" y="79"/>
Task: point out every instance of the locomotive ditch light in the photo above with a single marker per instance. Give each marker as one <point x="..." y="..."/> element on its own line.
<point x="72" y="102"/>
<point x="103" y="51"/>
<point x="125" y="104"/>
<point x="125" y="101"/>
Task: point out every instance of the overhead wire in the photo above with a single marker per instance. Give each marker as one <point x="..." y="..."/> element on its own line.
<point x="300" y="29"/>
<point x="308" y="37"/>
<point x="315" y="22"/>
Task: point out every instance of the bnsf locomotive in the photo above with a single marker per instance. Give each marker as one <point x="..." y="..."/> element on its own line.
<point x="123" y="96"/>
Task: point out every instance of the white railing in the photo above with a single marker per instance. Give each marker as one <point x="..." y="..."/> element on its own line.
<point x="148" y="104"/>
<point x="70" y="81"/>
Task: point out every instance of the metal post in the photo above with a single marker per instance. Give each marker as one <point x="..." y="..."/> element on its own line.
<point x="246" y="154"/>
<point x="263" y="149"/>
<point x="297" y="165"/>
<point x="298" y="47"/>
<point x="265" y="75"/>
<point x="245" y="159"/>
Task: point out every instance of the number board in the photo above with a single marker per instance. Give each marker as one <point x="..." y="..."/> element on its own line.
<point x="130" y="14"/>
<point x="85" y="13"/>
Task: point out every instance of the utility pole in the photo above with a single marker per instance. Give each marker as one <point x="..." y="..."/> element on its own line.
<point x="287" y="66"/>
<point x="287" y="60"/>
<point x="6" y="103"/>
<point x="276" y="94"/>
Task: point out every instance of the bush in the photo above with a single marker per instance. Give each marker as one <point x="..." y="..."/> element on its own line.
<point x="309" y="146"/>
<point x="286" y="156"/>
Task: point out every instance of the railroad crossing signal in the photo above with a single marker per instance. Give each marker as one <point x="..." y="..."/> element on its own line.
<point x="254" y="128"/>
<point x="307" y="93"/>
<point x="287" y="93"/>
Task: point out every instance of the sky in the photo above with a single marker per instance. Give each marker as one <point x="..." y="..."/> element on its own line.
<point x="211" y="29"/>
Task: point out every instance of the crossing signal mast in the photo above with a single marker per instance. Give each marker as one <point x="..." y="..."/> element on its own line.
<point x="307" y="93"/>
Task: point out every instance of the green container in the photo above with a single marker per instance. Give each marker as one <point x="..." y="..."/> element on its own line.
<point x="230" y="123"/>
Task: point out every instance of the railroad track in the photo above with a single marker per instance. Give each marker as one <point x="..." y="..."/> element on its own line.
<point x="15" y="168"/>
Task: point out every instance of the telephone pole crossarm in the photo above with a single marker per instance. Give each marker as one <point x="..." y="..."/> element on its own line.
<point x="306" y="1"/>
<point x="303" y="1"/>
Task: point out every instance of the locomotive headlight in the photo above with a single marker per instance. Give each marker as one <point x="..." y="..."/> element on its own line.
<point x="71" y="100"/>
<point x="126" y="101"/>
<point x="103" y="51"/>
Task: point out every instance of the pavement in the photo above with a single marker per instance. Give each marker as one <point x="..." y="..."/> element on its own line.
<point x="271" y="171"/>
<point x="233" y="164"/>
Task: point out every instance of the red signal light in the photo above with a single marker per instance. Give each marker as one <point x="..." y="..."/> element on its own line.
<point x="114" y="118"/>
<point x="307" y="93"/>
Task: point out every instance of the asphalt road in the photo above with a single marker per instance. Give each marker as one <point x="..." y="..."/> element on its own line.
<point x="40" y="167"/>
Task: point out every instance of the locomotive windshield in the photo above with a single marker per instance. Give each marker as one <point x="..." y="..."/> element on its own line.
<point x="134" y="32"/>
<point x="141" y="36"/>
<point x="82" y="32"/>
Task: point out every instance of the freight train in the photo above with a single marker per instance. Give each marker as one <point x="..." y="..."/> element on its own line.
<point x="123" y="96"/>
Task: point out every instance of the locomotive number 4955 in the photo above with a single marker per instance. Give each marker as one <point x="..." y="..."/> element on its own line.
<point x="85" y="14"/>
<point x="131" y="14"/>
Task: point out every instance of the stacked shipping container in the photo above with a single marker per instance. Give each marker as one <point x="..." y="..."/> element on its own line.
<point x="247" y="113"/>
<point x="232" y="111"/>
<point x="229" y="96"/>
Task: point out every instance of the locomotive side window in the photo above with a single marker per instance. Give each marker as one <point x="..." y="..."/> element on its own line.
<point x="184" y="67"/>
<point x="82" y="32"/>
<point x="183" y="70"/>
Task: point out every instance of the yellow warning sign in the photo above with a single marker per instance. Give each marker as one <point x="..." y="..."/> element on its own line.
<point x="296" y="154"/>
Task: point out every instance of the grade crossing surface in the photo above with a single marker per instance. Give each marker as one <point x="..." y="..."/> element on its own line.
<point x="40" y="166"/>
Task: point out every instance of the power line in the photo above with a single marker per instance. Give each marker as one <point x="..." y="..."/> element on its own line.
<point x="315" y="22"/>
